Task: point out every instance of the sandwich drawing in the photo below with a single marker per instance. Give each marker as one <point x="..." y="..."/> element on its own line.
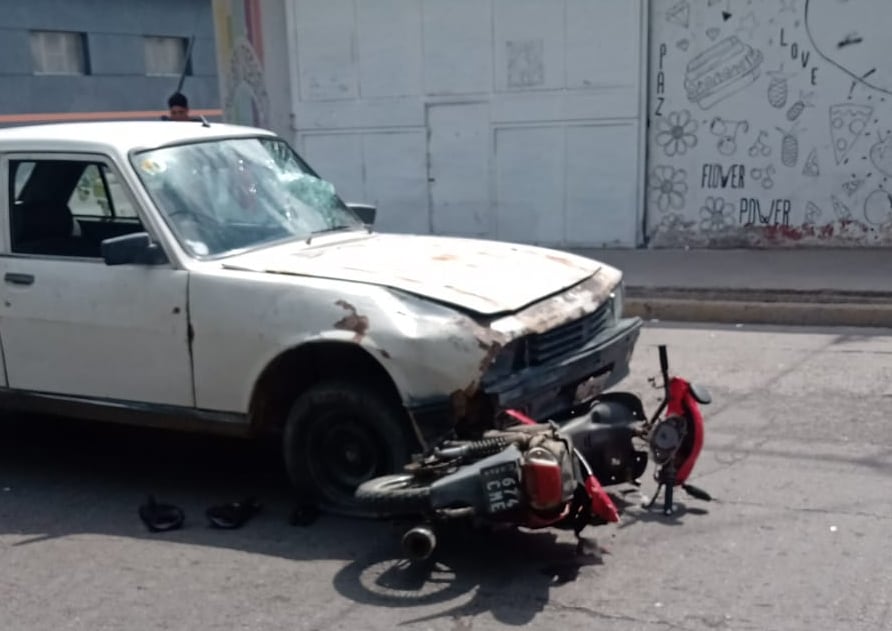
<point x="720" y="71"/>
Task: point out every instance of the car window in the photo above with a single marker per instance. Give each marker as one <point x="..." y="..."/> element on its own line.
<point x="89" y="198"/>
<point x="22" y="173"/>
<point x="66" y="207"/>
<point x="99" y="194"/>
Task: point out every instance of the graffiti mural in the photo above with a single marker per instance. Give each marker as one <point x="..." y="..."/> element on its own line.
<point x="240" y="62"/>
<point x="770" y="123"/>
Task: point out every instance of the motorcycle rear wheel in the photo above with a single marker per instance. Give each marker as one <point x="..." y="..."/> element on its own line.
<point x="398" y="493"/>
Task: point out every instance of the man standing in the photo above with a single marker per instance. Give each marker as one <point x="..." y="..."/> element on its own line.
<point x="178" y="105"/>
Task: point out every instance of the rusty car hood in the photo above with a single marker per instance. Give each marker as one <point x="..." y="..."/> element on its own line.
<point x="486" y="277"/>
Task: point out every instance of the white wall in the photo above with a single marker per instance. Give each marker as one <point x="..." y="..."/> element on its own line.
<point x="770" y="122"/>
<point x="508" y="119"/>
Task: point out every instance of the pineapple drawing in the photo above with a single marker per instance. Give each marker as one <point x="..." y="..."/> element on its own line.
<point x="778" y="88"/>
<point x="789" y="147"/>
<point x="799" y="106"/>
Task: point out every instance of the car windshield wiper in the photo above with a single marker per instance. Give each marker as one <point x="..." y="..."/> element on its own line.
<point x="325" y="230"/>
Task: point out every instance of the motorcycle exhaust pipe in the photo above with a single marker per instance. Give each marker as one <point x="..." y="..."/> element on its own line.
<point x="419" y="543"/>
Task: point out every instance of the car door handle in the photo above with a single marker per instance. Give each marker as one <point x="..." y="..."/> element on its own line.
<point x="19" y="279"/>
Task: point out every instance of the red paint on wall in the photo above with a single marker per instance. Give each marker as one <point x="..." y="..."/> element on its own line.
<point x="253" y="23"/>
<point x="782" y="233"/>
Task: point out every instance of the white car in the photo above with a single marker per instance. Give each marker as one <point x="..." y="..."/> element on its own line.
<point x="202" y="277"/>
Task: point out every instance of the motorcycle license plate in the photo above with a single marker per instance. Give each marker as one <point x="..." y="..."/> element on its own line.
<point x="501" y="487"/>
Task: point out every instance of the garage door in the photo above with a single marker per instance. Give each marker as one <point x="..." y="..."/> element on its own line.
<point x="508" y="119"/>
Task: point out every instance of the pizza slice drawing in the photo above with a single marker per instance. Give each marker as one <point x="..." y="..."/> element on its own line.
<point x="812" y="213"/>
<point x="841" y="211"/>
<point x="847" y="122"/>
<point x="679" y="14"/>
<point x="811" y="168"/>
<point x="852" y="186"/>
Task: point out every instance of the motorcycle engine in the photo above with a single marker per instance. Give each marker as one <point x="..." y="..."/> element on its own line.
<point x="666" y="437"/>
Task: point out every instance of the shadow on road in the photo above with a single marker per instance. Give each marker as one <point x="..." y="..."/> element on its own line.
<point x="630" y="505"/>
<point x="508" y="574"/>
<point x="60" y="477"/>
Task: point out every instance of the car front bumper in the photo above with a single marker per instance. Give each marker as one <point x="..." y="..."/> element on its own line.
<point x="546" y="391"/>
<point x="555" y="388"/>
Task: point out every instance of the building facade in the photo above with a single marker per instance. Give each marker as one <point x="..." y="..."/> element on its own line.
<point x="770" y="123"/>
<point x="764" y="122"/>
<point x="568" y="123"/>
<point x="520" y="120"/>
<point x="103" y="59"/>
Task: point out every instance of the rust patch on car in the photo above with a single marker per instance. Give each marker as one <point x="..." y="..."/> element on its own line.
<point x="557" y="258"/>
<point x="444" y="257"/>
<point x="471" y="409"/>
<point x="353" y="321"/>
<point x="491" y="343"/>
<point x="461" y="397"/>
<point x="492" y="350"/>
<point x="459" y="401"/>
<point x="572" y="304"/>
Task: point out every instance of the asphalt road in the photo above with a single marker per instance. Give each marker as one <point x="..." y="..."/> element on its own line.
<point x="798" y="456"/>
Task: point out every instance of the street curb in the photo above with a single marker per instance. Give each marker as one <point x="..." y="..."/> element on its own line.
<point x="752" y="311"/>
<point x="821" y="296"/>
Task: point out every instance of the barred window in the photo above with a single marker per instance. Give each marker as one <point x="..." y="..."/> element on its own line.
<point x="59" y="52"/>
<point x="165" y="55"/>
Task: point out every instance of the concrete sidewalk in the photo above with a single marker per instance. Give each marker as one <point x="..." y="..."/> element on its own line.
<point x="820" y="287"/>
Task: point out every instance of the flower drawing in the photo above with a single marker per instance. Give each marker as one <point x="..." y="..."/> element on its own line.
<point x="715" y="215"/>
<point x="677" y="133"/>
<point x="673" y="223"/>
<point x="673" y="230"/>
<point x="668" y="187"/>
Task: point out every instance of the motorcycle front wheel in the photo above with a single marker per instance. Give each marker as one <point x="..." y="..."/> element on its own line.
<point x="398" y="493"/>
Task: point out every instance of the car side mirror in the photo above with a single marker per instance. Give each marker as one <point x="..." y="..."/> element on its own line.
<point x="136" y="248"/>
<point x="366" y="212"/>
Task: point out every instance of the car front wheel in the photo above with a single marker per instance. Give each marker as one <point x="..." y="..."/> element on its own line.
<point x="339" y="435"/>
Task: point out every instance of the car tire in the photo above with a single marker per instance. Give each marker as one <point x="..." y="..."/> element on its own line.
<point x="339" y="435"/>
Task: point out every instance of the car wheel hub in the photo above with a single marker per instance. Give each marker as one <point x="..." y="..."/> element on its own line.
<point x="344" y="454"/>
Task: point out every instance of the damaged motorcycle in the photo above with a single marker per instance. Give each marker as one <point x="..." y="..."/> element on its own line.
<point x="553" y="474"/>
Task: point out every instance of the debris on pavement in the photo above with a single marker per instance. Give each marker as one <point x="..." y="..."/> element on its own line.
<point x="160" y="517"/>
<point x="234" y="514"/>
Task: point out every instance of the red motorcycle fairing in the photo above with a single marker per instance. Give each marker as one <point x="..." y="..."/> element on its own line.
<point x="520" y="417"/>
<point x="602" y="505"/>
<point x="535" y="522"/>
<point x="600" y="502"/>
<point x="682" y="403"/>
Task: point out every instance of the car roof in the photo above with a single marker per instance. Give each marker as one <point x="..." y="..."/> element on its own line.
<point x="118" y="136"/>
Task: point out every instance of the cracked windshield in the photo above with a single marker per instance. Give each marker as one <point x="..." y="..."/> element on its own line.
<point x="225" y="196"/>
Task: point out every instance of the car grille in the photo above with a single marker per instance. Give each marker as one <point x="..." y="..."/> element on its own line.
<point x="559" y="341"/>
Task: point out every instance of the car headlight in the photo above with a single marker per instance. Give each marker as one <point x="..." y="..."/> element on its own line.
<point x="616" y="298"/>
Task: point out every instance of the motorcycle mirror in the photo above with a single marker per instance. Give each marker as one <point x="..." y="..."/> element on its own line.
<point x="664" y="360"/>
